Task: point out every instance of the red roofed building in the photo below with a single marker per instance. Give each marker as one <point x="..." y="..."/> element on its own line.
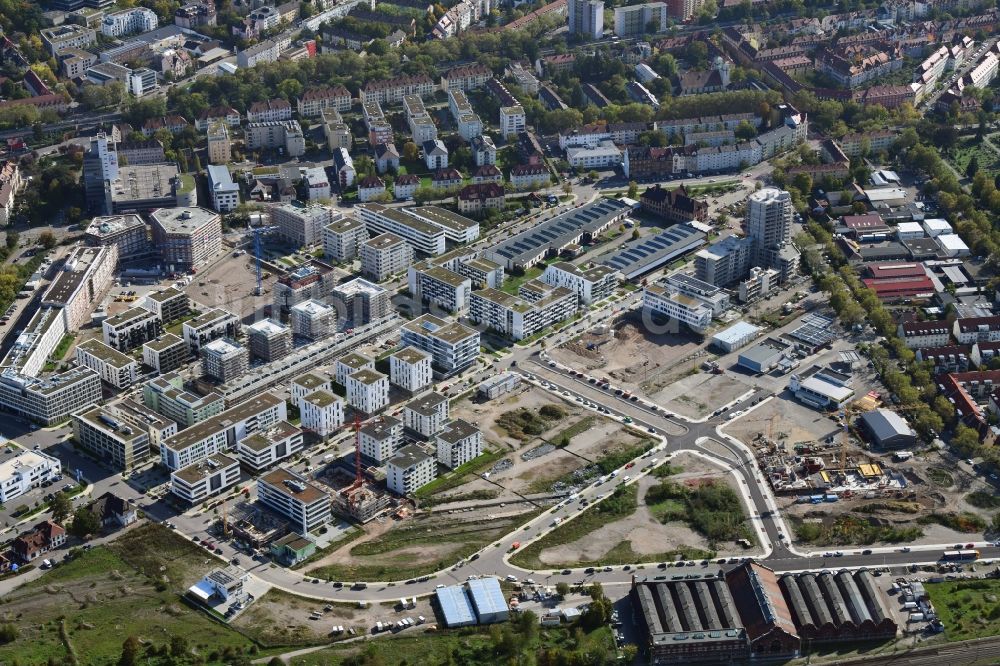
<point x="977" y="329"/>
<point x="42" y="538"/>
<point x="315" y="100"/>
<point x="896" y="288"/>
<point x="867" y="228"/>
<point x="895" y="269"/>
<point x="763" y="611"/>
<point x="918" y="334"/>
<point x="478" y="198"/>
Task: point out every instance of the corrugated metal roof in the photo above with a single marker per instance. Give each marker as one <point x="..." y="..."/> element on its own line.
<point x="486" y="596"/>
<point x="455" y="606"/>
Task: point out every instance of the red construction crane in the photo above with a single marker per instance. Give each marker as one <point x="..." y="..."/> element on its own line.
<point x="351" y="490"/>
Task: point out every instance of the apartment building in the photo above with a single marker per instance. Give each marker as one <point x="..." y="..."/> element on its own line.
<point x="130" y="329"/>
<point x="429" y="283"/>
<point x="302" y="225"/>
<point x="269" y="340"/>
<point x="219" y="148"/>
<point x="85" y="277"/>
<point x="348" y="364"/>
<point x="307" y="383"/>
<point x="589" y="284"/>
<point x="537" y="306"/>
<point x="337" y="132"/>
<point x="420" y="234"/>
<point x="224" y="359"/>
<point x="166" y="395"/>
<point x="313" y="280"/>
<point x="342" y="239"/>
<point x="124" y="435"/>
<point x="381" y="438"/>
<point x="971" y="330"/>
<point x="117" y="369"/>
<point x="452" y="346"/>
<point x="270" y="111"/>
<point x="312" y="320"/>
<point x="458" y="443"/>
<point x="269" y="446"/>
<point x="51" y="399"/>
<point x="392" y="91"/>
<point x="222" y="431"/>
<point x="359" y="302"/>
<point x="168" y="304"/>
<point x="66" y="36"/>
<point x="918" y="334"/>
<point x="385" y="255"/>
<point x="512" y="120"/>
<point x="409" y="470"/>
<point x="674" y="305"/>
<point x="368" y="391"/>
<point x="466" y="77"/>
<point x="265" y="51"/>
<point x="276" y="134"/>
<point x="410" y="369"/>
<point x="586" y="18"/>
<point x="128" y="21"/>
<point x="426" y="414"/>
<point x="212" y="475"/>
<point x="484" y="151"/>
<point x="322" y="412"/>
<point x="186" y="236"/>
<point x="316" y="100"/>
<point x="165" y="353"/>
<point x="21" y="470"/>
<point x="726" y="262"/>
<point x="128" y="233"/>
<point x="211" y="325"/>
<point x="305" y="506"/>
<point x="636" y="20"/>
<point x="469" y="124"/>
<point x="421" y="125"/>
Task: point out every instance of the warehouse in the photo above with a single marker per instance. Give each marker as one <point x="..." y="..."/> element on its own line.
<point x="456" y="609"/>
<point x="488" y="600"/>
<point x="739" y="334"/>
<point x="846" y="606"/>
<point x="888" y="430"/>
<point x="728" y="619"/>
<point x="764" y="357"/>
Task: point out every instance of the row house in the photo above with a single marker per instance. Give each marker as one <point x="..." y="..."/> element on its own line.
<point x="315" y="100"/>
<point x="468" y="77"/>
<point x="274" y="110"/>
<point x="391" y="91"/>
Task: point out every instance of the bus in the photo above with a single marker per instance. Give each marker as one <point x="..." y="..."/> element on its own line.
<point x="961" y="555"/>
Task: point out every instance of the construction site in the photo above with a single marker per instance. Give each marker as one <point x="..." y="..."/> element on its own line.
<point x="357" y="492"/>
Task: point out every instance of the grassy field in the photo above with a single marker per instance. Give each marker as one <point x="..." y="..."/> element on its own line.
<point x="564" y="437"/>
<point x="87" y="607"/>
<point x="457" y="476"/>
<point x="420" y="547"/>
<point x="968" y="609"/>
<point x="514" y="282"/>
<point x="852" y="531"/>
<point x="470" y="645"/>
<point x="983" y="499"/>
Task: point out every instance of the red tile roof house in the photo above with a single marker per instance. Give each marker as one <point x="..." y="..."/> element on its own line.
<point x="42" y="538"/>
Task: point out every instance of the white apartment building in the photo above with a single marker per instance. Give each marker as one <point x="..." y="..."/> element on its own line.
<point x="604" y="156"/>
<point x="368" y="391"/>
<point x="458" y="443"/>
<point x="84" y="279"/>
<point x="589" y="284"/>
<point x="436" y="284"/>
<point x="381" y="438"/>
<point x="322" y="412"/>
<point x="269" y="446"/>
<point x="537" y="306"/>
<point x="221" y="432"/>
<point x="385" y="255"/>
<point x="426" y="414"/>
<point x="409" y="469"/>
<point x="512" y="120"/>
<point x="421" y="235"/>
<point x="586" y="18"/>
<point x="917" y="334"/>
<point x="217" y="136"/>
<point x="114" y="367"/>
<point x="671" y="303"/>
<point x="210" y="476"/>
<point x="269" y="340"/>
<point x="452" y="346"/>
<point x="312" y="320"/>
<point x="225" y="193"/>
<point x="208" y="326"/>
<point x="469" y="124"/>
<point x="224" y="359"/>
<point x="302" y="225"/>
<point x="305" y="506"/>
<point x="457" y="228"/>
<point x="348" y="364"/>
<point x="634" y="20"/>
<point x="410" y="369"/>
<point x="130" y="329"/>
<point x="128" y="21"/>
<point x="308" y="383"/>
<point x="21" y="470"/>
<point x="342" y="239"/>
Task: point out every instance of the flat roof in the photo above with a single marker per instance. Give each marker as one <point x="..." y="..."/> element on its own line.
<point x="814" y="329"/>
<point x="443" y="217"/>
<point x="129" y="315"/>
<point x="737" y="332"/>
<point x="113" y="224"/>
<point x="291" y="484"/>
<point x="442" y="274"/>
<point x="455" y="606"/>
<point x="345" y="224"/>
<point x="78" y="266"/>
<point x="274" y="434"/>
<point x="203" y="468"/>
<point x="107" y="354"/>
<point x="429" y="325"/>
<point x="397" y="215"/>
<point x="426" y="404"/>
<point x="322" y="398"/>
<point x="359" y="286"/>
<point x="209" y="318"/>
<point x="184" y="221"/>
<point x="366" y="376"/>
<point x="408" y="456"/>
<point x="486" y="595"/>
<point x="165" y="341"/>
<point x="379" y="429"/>
<point x="764" y="351"/>
<point x="309" y="381"/>
<point x="164" y="295"/>
<point x="411" y="355"/>
<point x="457" y="430"/>
<point x="144" y="182"/>
<point x="383" y="241"/>
<point x="241" y="412"/>
<point x="355" y="361"/>
<point x="268" y="327"/>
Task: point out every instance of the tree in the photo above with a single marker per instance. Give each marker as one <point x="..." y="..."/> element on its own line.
<point x="410" y="151"/>
<point x="630" y="650"/>
<point x="745" y="131"/>
<point x="965" y="440"/>
<point x="635" y="234"/>
<point x="562" y="588"/>
<point x="973" y="167"/>
<point x="130" y="652"/>
<point x="85" y="522"/>
<point x="61" y="507"/>
<point x="275" y="661"/>
<point x="12" y="239"/>
<point x="47" y="239"/>
<point x="178" y="646"/>
<point x="633" y="189"/>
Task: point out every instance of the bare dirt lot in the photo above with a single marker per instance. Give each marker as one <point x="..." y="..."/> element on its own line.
<point x="786" y="419"/>
<point x="632" y="357"/>
<point x="697" y="396"/>
<point x="230" y="284"/>
<point x="279" y="617"/>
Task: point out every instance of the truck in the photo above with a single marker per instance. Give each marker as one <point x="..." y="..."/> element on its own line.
<point x="916" y="617"/>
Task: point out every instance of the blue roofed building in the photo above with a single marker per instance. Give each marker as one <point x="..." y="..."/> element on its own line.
<point x="488" y="600"/>
<point x="456" y="609"/>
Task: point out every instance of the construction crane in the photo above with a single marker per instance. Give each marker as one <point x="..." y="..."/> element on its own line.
<point x="351" y="491"/>
<point x="257" y="252"/>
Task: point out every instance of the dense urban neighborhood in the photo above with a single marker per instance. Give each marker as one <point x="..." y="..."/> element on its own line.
<point x="577" y="333"/>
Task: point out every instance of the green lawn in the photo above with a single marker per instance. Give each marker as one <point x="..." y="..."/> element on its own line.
<point x="968" y="609"/>
<point x="456" y="477"/>
<point x="969" y="147"/>
<point x="513" y="282"/>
